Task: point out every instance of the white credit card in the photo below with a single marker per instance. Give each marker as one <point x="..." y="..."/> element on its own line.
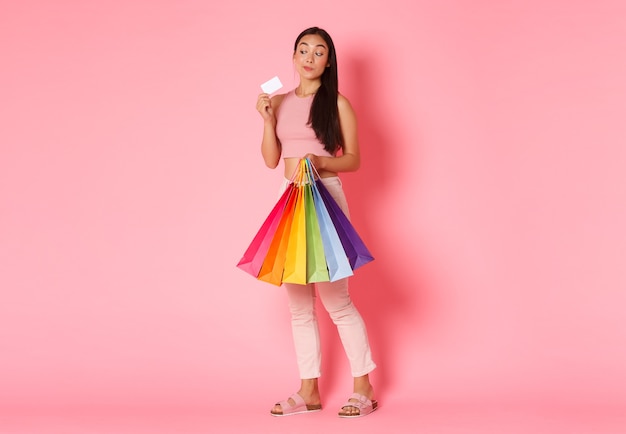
<point x="272" y="85"/>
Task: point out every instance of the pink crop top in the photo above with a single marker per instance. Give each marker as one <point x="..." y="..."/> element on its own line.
<point x="296" y="137"/>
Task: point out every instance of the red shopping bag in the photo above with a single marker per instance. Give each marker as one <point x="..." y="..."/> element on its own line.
<point x="255" y="254"/>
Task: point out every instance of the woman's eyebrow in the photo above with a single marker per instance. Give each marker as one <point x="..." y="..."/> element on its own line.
<point x="318" y="45"/>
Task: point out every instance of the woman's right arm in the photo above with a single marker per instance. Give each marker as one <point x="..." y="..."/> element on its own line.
<point x="270" y="146"/>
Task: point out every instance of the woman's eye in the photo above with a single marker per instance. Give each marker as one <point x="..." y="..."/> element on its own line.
<point x="302" y="52"/>
<point x="319" y="54"/>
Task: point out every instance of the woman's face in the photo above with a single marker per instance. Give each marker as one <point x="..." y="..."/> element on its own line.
<point x="311" y="57"/>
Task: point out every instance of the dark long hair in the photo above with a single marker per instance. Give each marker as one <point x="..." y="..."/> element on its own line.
<point x="324" y="114"/>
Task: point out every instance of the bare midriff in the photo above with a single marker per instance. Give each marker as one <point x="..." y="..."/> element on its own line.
<point x="291" y="164"/>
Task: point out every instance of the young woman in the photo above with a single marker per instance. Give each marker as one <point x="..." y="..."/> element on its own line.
<point x="314" y="121"/>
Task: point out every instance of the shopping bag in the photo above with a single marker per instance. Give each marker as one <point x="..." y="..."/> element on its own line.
<point x="274" y="262"/>
<point x="336" y="258"/>
<point x="306" y="237"/>
<point x="316" y="266"/>
<point x="296" y="255"/>
<point x="257" y="250"/>
<point x="353" y="245"/>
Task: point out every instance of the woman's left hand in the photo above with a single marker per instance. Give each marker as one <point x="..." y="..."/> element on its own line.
<point x="316" y="161"/>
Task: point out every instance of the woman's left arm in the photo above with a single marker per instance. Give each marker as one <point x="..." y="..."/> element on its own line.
<point x="350" y="160"/>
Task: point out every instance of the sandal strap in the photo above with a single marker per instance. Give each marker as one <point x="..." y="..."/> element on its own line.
<point x="296" y="398"/>
<point x="362" y="401"/>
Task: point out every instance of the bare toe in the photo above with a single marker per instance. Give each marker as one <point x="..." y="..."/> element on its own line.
<point x="349" y="410"/>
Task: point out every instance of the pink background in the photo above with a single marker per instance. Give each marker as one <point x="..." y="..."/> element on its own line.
<point x="492" y="193"/>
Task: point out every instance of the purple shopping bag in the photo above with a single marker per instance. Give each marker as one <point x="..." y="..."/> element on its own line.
<point x="336" y="258"/>
<point x="355" y="248"/>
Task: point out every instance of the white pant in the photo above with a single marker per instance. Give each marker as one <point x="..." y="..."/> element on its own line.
<point x="336" y="300"/>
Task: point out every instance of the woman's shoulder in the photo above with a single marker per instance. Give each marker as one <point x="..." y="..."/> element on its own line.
<point x="343" y="103"/>
<point x="278" y="98"/>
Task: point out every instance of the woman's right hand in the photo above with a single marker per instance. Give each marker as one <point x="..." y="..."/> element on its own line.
<point x="264" y="106"/>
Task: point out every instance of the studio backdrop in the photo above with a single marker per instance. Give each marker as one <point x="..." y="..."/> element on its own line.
<point x="492" y="194"/>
